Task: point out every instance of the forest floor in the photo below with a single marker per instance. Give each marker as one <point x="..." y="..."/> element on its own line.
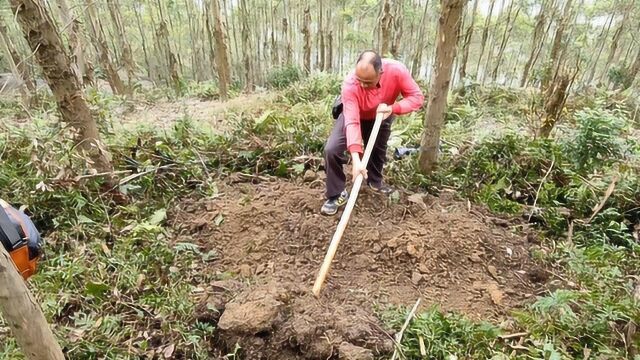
<point x="164" y="113"/>
<point x="217" y="238"/>
<point x="270" y="239"/>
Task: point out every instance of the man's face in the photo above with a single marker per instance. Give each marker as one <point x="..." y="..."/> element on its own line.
<point x="368" y="78"/>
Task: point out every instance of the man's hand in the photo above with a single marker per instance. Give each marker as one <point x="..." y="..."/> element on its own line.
<point x="385" y="110"/>
<point x="357" y="167"/>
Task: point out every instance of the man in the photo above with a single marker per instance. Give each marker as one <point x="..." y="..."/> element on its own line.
<point x="372" y="88"/>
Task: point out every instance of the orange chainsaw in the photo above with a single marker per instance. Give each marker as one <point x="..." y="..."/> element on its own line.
<point x="20" y="238"/>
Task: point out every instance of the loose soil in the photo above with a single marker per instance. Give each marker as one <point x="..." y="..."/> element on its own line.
<point x="270" y="241"/>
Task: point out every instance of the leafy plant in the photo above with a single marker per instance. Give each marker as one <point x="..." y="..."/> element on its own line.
<point x="283" y="76"/>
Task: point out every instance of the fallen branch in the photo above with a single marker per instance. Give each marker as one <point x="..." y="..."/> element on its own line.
<point x="612" y="186"/>
<point x="423" y="349"/>
<point x="570" y="234"/>
<point x="77" y="178"/>
<point x="516" y="335"/>
<point x="540" y="187"/>
<point x="137" y="175"/>
<point x="404" y="327"/>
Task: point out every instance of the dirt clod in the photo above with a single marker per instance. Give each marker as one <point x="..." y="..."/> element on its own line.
<point x="309" y="176"/>
<point x="351" y="352"/>
<point x="250" y="318"/>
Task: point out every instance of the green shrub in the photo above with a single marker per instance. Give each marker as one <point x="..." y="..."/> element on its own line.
<point x="598" y="140"/>
<point x="315" y="88"/>
<point x="280" y="78"/>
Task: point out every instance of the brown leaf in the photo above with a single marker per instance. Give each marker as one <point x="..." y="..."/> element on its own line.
<point x="106" y="250"/>
<point x="493" y="271"/>
<point x="496" y="294"/>
<point x="416" y="277"/>
<point x="141" y="278"/>
<point x="411" y="249"/>
<point x="75" y="335"/>
<point x="417" y="199"/>
<point x="168" y="351"/>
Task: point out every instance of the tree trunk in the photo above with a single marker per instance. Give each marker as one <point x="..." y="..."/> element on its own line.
<point x="485" y="35"/>
<point x="557" y="45"/>
<point x="75" y="40"/>
<point x="172" y="65"/>
<point x="286" y="36"/>
<point x="397" y="28"/>
<point x="341" y="41"/>
<point x="329" y="62"/>
<point x="127" y="55"/>
<point x="614" y="44"/>
<point x="634" y="70"/>
<point x="505" y="37"/>
<point x="536" y="45"/>
<point x="175" y="12"/>
<point x="556" y="96"/>
<point x="222" y="57"/>
<point x="162" y="34"/>
<point x="467" y="41"/>
<point x="157" y="56"/>
<point x="417" y="57"/>
<point x="306" y="33"/>
<point x="492" y="39"/>
<point x="193" y="38"/>
<point x="321" y="49"/>
<point x="27" y="87"/>
<point x="143" y="40"/>
<point x="602" y="38"/>
<point x="448" y="30"/>
<point x="116" y="84"/>
<point x="246" y="47"/>
<point x="275" y="55"/>
<point x="23" y="314"/>
<point x="386" y="25"/>
<point x="56" y="68"/>
<point x="208" y="27"/>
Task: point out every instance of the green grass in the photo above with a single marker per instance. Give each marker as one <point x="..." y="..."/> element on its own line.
<point x="95" y="282"/>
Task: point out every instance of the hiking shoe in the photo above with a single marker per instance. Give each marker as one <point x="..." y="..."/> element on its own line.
<point x="330" y="207"/>
<point x="382" y="189"/>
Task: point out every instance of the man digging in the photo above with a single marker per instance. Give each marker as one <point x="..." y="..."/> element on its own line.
<point x="373" y="87"/>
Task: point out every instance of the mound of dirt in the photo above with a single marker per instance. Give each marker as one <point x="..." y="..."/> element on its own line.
<point x="270" y="233"/>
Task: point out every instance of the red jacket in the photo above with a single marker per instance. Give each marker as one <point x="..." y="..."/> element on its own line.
<point x="361" y="104"/>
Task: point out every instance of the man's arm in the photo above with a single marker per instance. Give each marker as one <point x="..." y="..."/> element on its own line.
<point x="351" y="113"/>
<point x="412" y="97"/>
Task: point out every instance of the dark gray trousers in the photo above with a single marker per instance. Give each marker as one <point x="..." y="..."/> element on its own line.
<point x="335" y="158"/>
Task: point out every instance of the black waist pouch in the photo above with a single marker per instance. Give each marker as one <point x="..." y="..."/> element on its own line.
<point x="336" y="110"/>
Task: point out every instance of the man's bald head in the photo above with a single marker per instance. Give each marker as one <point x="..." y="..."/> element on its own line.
<point x="368" y="68"/>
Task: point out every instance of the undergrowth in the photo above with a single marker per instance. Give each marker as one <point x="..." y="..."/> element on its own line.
<point x="116" y="285"/>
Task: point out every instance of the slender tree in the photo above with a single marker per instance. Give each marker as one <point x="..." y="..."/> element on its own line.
<point x="18" y="67"/>
<point x="222" y="57"/>
<point x="448" y="30"/>
<point x="123" y="43"/>
<point x="467" y="41"/>
<point x="47" y="46"/>
<point x="536" y="43"/>
<point x="100" y="43"/>
<point x="246" y="46"/>
<point x="306" y="32"/>
<point x="485" y="35"/>
<point x="505" y="37"/>
<point x="420" y="45"/>
<point x="76" y="40"/>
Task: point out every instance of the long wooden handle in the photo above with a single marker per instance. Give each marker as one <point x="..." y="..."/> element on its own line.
<point x="344" y="219"/>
